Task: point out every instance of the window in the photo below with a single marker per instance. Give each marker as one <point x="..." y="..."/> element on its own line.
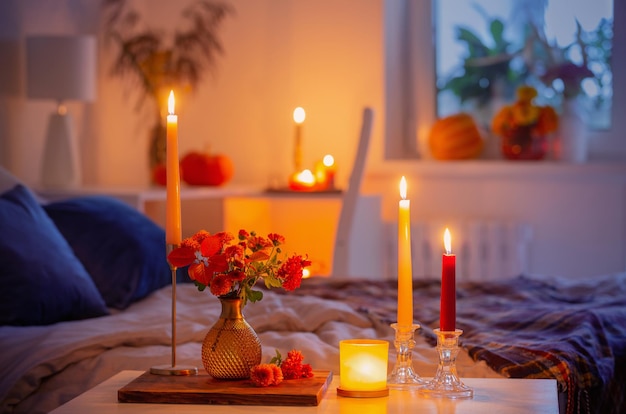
<point x="424" y="62"/>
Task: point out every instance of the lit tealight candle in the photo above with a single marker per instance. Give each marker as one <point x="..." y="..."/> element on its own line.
<point x="302" y="181"/>
<point x="363" y="368"/>
<point x="173" y="232"/>
<point x="447" y="316"/>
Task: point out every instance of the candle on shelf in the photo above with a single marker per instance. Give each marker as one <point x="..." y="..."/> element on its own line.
<point x="325" y="173"/>
<point x="331" y="169"/>
<point x="302" y="181"/>
<point x="298" y="117"/>
<point x="405" y="271"/>
<point x="447" y="318"/>
<point x="173" y="232"/>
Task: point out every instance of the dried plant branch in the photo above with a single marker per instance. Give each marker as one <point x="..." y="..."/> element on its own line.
<point x="142" y="55"/>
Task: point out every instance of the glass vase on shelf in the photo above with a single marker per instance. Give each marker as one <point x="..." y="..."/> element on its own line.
<point x="524" y="143"/>
<point x="572" y="140"/>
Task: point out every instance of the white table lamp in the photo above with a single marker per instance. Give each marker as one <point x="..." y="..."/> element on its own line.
<point x="61" y="68"/>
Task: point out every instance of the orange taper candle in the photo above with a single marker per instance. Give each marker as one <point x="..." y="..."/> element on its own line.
<point x="405" y="271"/>
<point x="173" y="232"/>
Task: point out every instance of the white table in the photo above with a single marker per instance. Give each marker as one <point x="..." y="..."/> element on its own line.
<point x="510" y="396"/>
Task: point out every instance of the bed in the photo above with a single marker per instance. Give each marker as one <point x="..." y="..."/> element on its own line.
<point x="110" y="310"/>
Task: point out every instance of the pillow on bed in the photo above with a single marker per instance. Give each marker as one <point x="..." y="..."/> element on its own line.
<point x="122" y="249"/>
<point x="41" y="281"/>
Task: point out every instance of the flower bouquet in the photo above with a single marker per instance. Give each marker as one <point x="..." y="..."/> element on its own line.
<point x="524" y="126"/>
<point x="232" y="269"/>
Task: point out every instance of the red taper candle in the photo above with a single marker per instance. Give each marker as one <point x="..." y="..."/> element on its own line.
<point x="447" y="317"/>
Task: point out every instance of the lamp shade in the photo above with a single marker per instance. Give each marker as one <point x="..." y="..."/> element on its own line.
<point x="61" y="67"/>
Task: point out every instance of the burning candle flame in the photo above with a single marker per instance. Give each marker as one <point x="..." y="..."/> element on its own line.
<point x="299" y="115"/>
<point x="447" y="241"/>
<point x="328" y="160"/>
<point x="403" y="188"/>
<point x="306" y="176"/>
<point x="171" y="103"/>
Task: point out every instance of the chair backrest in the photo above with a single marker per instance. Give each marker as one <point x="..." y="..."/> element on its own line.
<point x="346" y="216"/>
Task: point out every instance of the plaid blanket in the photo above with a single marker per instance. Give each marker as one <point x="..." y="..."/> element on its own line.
<point x="525" y="327"/>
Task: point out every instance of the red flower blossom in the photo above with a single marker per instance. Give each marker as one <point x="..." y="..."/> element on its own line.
<point x="293" y="368"/>
<point x="291" y="272"/>
<point x="221" y="285"/>
<point x="182" y="256"/>
<point x="276" y="239"/>
<point x="237" y="275"/>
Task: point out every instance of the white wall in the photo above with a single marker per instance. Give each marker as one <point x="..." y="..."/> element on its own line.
<point x="323" y="55"/>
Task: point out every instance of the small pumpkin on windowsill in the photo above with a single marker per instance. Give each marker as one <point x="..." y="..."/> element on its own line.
<point x="455" y="137"/>
<point x="206" y="169"/>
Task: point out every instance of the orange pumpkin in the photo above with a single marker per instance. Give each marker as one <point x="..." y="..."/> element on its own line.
<point x="455" y="137"/>
<point x="199" y="168"/>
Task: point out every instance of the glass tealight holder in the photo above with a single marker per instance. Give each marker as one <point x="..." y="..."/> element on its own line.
<point x="446" y="383"/>
<point x="363" y="368"/>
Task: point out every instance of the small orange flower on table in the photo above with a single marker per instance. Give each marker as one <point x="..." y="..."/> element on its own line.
<point x="524" y="127"/>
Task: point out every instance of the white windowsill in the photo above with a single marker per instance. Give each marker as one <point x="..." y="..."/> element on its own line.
<point x="476" y="169"/>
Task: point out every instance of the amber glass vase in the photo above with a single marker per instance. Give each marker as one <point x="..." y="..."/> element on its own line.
<point x="231" y="347"/>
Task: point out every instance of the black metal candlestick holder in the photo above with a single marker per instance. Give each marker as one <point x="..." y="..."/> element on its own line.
<point x="403" y="375"/>
<point x="446" y="383"/>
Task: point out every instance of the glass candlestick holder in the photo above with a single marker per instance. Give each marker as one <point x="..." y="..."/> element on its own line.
<point x="446" y="383"/>
<point x="403" y="375"/>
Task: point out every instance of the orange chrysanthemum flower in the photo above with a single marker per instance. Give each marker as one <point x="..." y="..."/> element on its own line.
<point x="264" y="375"/>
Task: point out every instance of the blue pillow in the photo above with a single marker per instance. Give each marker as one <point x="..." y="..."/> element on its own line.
<point x="122" y="249"/>
<point x="41" y="281"/>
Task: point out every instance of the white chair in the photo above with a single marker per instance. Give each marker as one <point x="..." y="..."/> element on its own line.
<point x="341" y="251"/>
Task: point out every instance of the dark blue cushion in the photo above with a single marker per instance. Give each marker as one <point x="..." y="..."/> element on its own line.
<point x="122" y="249"/>
<point x="41" y="281"/>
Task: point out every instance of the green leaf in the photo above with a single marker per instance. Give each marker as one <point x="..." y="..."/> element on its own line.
<point x="277" y="360"/>
<point x="497" y="32"/>
<point x="272" y="282"/>
<point x="254" y="295"/>
<point x="199" y="285"/>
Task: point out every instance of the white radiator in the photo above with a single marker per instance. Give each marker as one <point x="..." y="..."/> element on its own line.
<point x="484" y="249"/>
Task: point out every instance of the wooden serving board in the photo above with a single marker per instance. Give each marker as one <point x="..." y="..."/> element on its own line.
<point x="203" y="389"/>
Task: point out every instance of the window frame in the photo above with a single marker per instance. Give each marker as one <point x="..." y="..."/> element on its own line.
<point x="410" y="91"/>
